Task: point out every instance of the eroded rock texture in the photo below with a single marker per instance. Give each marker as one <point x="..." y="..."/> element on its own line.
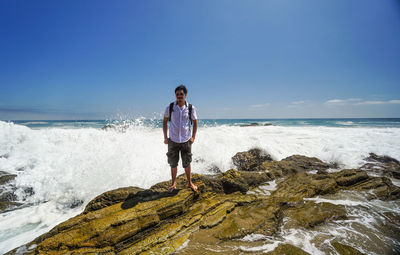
<point x="132" y="220"/>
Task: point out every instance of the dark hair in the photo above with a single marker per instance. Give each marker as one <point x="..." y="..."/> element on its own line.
<point x="181" y="87"/>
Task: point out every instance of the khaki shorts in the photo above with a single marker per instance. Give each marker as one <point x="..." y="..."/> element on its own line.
<point x="173" y="153"/>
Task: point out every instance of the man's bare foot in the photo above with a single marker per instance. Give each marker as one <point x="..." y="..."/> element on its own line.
<point x="172" y="188"/>
<point x="192" y="186"/>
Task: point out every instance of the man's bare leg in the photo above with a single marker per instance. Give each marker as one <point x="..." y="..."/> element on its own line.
<point x="189" y="178"/>
<point x="174" y="171"/>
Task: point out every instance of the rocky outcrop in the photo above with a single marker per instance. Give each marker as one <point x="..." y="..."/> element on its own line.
<point x="7" y="205"/>
<point x="309" y="214"/>
<point x="109" y="126"/>
<point x="295" y="164"/>
<point x="132" y="220"/>
<point x="113" y="197"/>
<point x="255" y="124"/>
<point x="284" y="249"/>
<point x="250" y="160"/>
<point x="343" y="249"/>
<point x="229" y="182"/>
<point x="301" y="185"/>
<point x="122" y="127"/>
<point x="6" y="177"/>
<point x="382" y="165"/>
<point x="381" y="159"/>
<point x="7" y="198"/>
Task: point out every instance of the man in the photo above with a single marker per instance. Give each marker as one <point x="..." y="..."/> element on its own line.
<point x="180" y="136"/>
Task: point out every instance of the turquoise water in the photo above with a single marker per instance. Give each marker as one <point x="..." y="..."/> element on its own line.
<point x="156" y="123"/>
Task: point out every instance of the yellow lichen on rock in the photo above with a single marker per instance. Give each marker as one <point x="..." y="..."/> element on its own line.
<point x="132" y="220"/>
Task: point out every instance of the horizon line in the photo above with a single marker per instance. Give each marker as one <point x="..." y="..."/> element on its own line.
<point x="208" y="119"/>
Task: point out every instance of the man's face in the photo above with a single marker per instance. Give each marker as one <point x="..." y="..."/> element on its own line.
<point x="180" y="96"/>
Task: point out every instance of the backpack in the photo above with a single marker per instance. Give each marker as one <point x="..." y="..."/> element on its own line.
<point x="171" y="109"/>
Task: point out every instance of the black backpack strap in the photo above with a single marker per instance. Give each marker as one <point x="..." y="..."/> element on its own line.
<point x="190" y="114"/>
<point x="171" y="109"/>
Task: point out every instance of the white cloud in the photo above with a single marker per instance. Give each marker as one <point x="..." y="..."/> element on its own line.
<point x="369" y="102"/>
<point x="260" y="105"/>
<point x="358" y="101"/>
<point x="296" y="104"/>
<point x="396" y="101"/>
<point x="335" y="101"/>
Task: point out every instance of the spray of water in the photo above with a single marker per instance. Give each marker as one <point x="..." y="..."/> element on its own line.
<point x="61" y="168"/>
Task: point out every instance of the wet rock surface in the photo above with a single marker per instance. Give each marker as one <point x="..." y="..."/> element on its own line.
<point x="7" y="197"/>
<point x="382" y="165"/>
<point x="6" y="177"/>
<point x="295" y="164"/>
<point x="344" y="249"/>
<point x="132" y="220"/>
<point x="111" y="197"/>
<point x="284" y="249"/>
<point x="309" y="214"/>
<point x="116" y="127"/>
<point x="250" y="160"/>
<point x="255" y="124"/>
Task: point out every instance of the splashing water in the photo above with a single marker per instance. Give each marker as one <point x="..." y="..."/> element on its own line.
<point x="61" y="166"/>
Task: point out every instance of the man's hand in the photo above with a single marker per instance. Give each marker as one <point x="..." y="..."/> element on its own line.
<point x="191" y="139"/>
<point x="165" y="129"/>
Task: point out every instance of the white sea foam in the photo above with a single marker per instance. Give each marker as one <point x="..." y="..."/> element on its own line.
<point x="183" y="246"/>
<point x="64" y="166"/>
<point x="345" y="123"/>
<point x="366" y="228"/>
<point x="264" y="189"/>
<point x="269" y="186"/>
<point x="335" y="202"/>
<point x="396" y="182"/>
<point x="264" y="248"/>
<point x="254" y="237"/>
<point x="21" y="226"/>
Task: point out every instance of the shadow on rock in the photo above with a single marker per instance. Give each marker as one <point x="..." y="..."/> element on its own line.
<point x="145" y="196"/>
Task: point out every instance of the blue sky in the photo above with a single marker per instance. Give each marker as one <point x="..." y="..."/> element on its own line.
<point x="239" y="59"/>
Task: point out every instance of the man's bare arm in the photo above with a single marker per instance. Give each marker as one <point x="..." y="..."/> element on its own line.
<point x="194" y="131"/>
<point x="165" y="129"/>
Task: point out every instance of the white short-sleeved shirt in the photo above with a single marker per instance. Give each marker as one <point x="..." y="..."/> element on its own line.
<point x="179" y="126"/>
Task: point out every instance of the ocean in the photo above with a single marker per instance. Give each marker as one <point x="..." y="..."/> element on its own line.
<point x="62" y="165"/>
